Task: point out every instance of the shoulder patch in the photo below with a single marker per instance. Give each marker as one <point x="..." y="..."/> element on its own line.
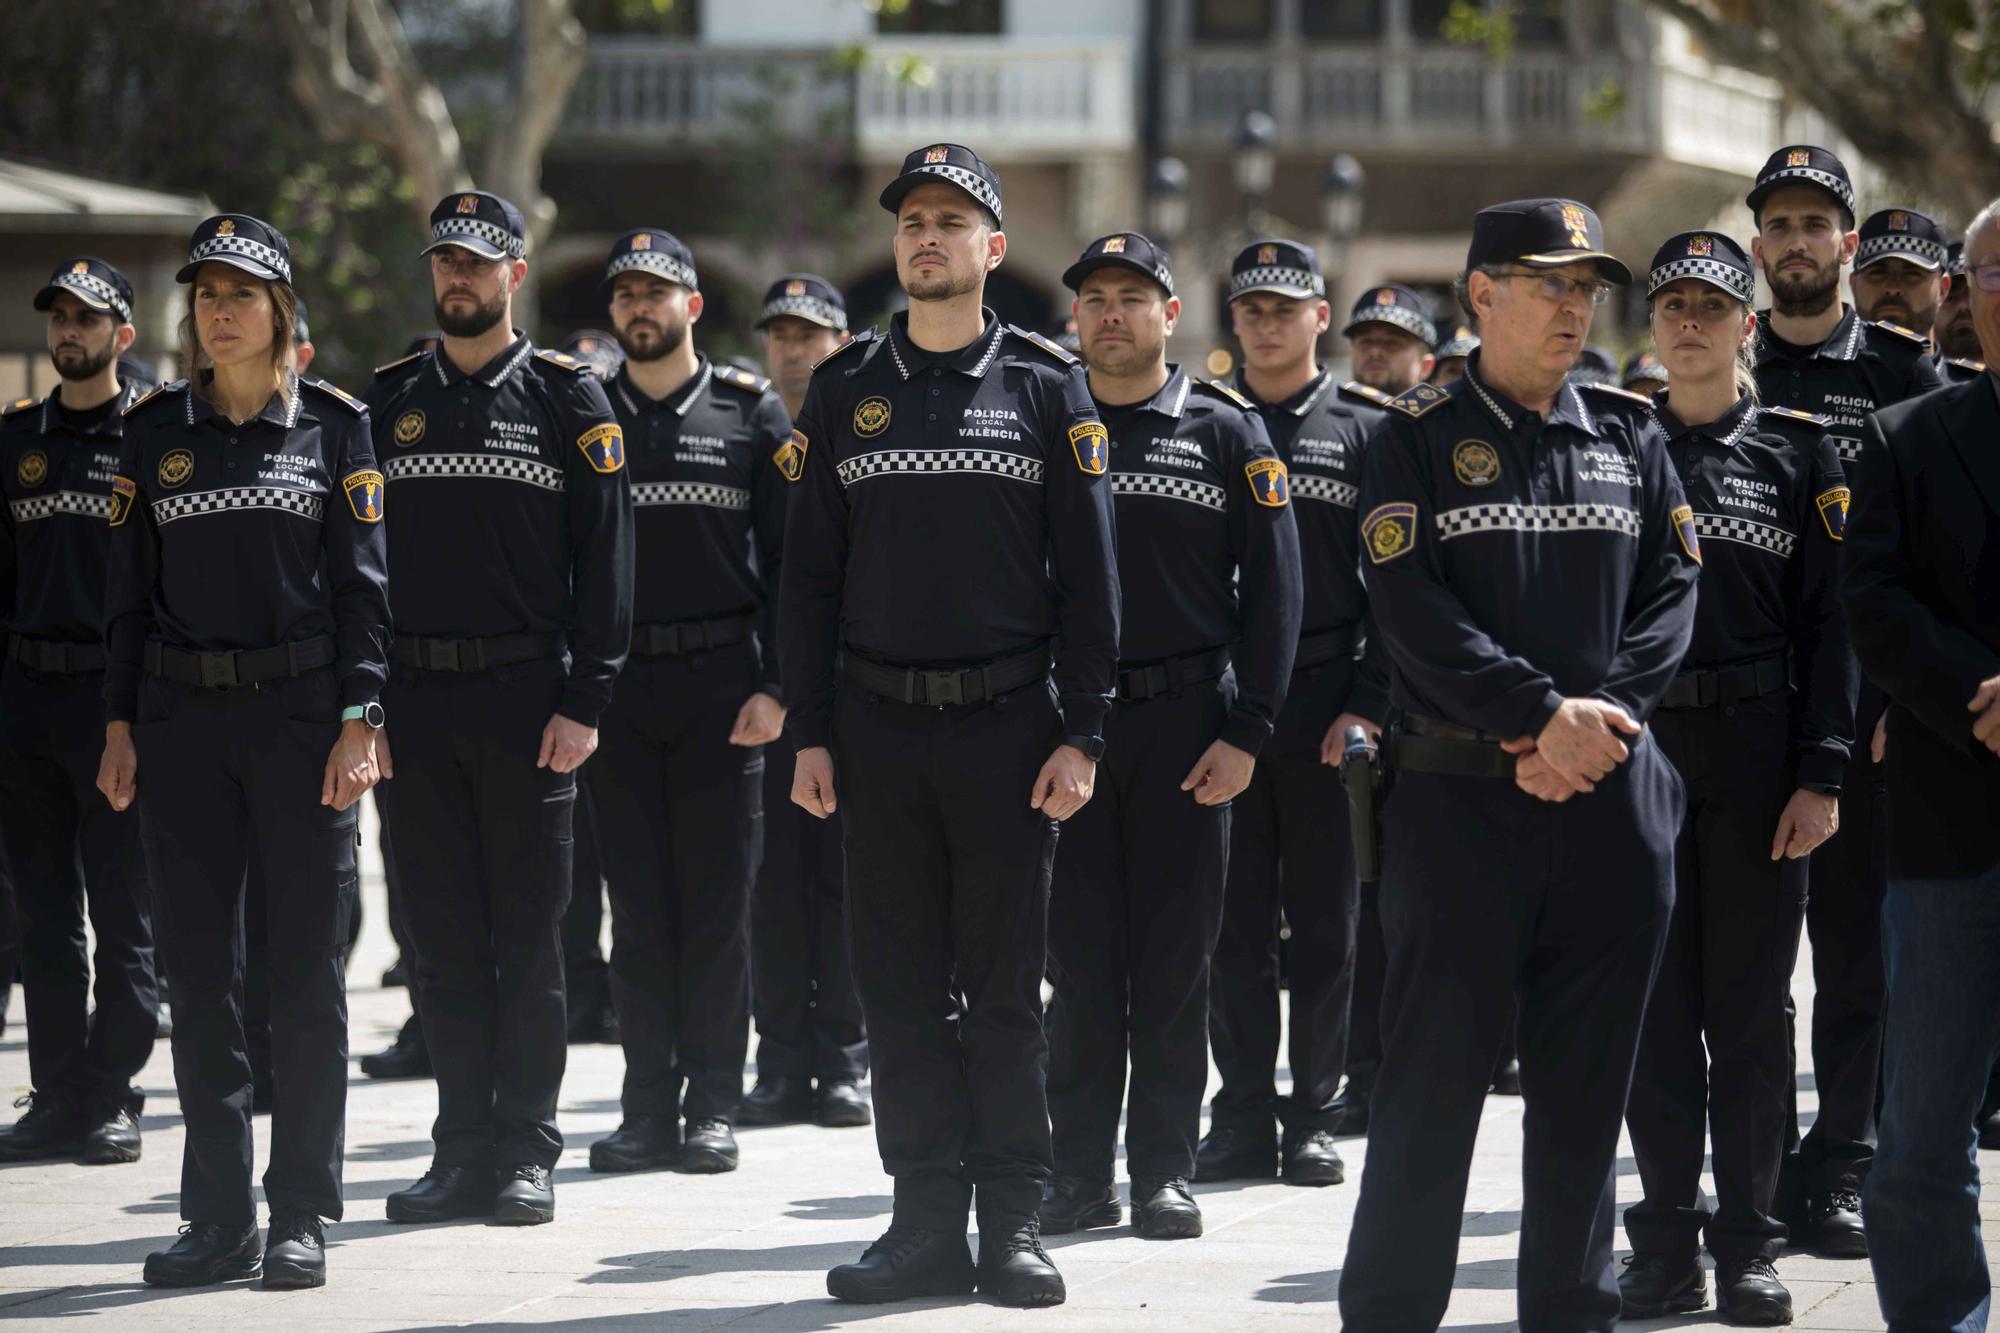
<point x="1832" y="505"/>
<point x="1270" y="482"/>
<point x="1389" y="531"/>
<point x="1964" y="363"/>
<point x="790" y="457"/>
<point x="388" y="366"/>
<point x="1803" y="418"/>
<point x="1225" y="391"/>
<point x="1366" y="393"/>
<point x="21" y="406"/>
<point x="158" y="389"/>
<point x="1637" y="399"/>
<point x="346" y="399"/>
<point x="1907" y="335"/>
<point x="563" y="361"/>
<point x="603" y="447"/>
<point x="1415" y="402"/>
<point x="1682" y="518"/>
<point x="1054" y="349"/>
<point x="865" y="336"/>
<point x="742" y="379"/>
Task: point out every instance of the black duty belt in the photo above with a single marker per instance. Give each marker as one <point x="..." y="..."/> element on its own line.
<point x="467" y="655"/>
<point x="1146" y="682"/>
<point x="1422" y="744"/>
<point x="938" y="686"/>
<point x="244" y="666"/>
<point x="689" y="636"/>
<point x="54" y="656"/>
<point x="1726" y="685"/>
<point x="1321" y="648"/>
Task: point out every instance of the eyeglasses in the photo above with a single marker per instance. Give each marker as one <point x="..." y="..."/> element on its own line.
<point x="1554" y="287"/>
<point x="1987" y="276"/>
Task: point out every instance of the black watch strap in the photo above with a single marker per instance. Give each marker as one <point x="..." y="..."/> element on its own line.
<point x="1092" y="746"/>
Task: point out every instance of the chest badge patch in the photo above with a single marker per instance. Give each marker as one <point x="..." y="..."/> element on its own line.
<point x="1833" y="511"/>
<point x="790" y="457"/>
<point x="409" y="428"/>
<point x="1389" y="531"/>
<point x="1270" y="484"/>
<point x="33" y="469"/>
<point x="604" y="446"/>
<point x="1683" y="521"/>
<point x="176" y="468"/>
<point x="1475" y="463"/>
<point x="1092" y="444"/>
<point x="123" y="492"/>
<point x="871" y="417"/>
<point x="364" y="496"/>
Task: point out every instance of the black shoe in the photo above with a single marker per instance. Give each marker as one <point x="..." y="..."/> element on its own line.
<point x="407" y="1056"/>
<point x="52" y="1126"/>
<point x="444" y="1194"/>
<point x="398" y="975"/>
<point x="525" y="1197"/>
<point x="113" y="1136"/>
<point x="1653" y="1285"/>
<point x="589" y="1020"/>
<point x="1162" y="1208"/>
<point x="1350" y="1110"/>
<point x="1014" y="1269"/>
<point x="905" y="1264"/>
<point x="1071" y="1203"/>
<point x="1507" y="1079"/>
<point x="777" y="1100"/>
<point x="842" y="1105"/>
<point x="1750" y="1294"/>
<point x="207" y="1253"/>
<point x="295" y="1255"/>
<point x="642" y="1143"/>
<point x="1833" y="1222"/>
<point x="1229" y="1153"/>
<point x="1311" y="1159"/>
<point x="708" y="1148"/>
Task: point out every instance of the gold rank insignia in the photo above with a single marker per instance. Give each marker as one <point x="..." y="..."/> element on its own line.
<point x="790" y="457"/>
<point x="1092" y="445"/>
<point x="1389" y="531"/>
<point x="1833" y="511"/>
<point x="604" y="446"/>
<point x="409" y="428"/>
<point x="123" y="493"/>
<point x="1417" y="401"/>
<point x="1682" y="518"/>
<point x="1578" y="224"/>
<point x="176" y="468"/>
<point x="33" y="469"/>
<point x="871" y="417"/>
<point x="1385" y="297"/>
<point x="1475" y="463"/>
<point x="1270" y="484"/>
<point x="364" y="495"/>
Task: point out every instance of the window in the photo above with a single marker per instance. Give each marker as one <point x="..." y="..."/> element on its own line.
<point x="939" y="17"/>
<point x="1340" y="20"/>
<point x="1233" y="20"/>
<point x="645" y="18"/>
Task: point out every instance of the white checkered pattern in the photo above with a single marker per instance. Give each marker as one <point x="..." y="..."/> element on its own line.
<point x="652" y="261"/>
<point x="242" y="247"/>
<point x="239" y="497"/>
<point x="1308" y="487"/>
<point x="690" y="493"/>
<point x="807" y="307"/>
<point x="455" y="229"/>
<point x="1920" y="248"/>
<point x="1170" y="488"/>
<point x="1726" y="276"/>
<point x="94" y="288"/>
<point x="1402" y="317"/>
<point x="863" y="466"/>
<point x="1471" y="519"/>
<point x="61" y="502"/>
<point x="979" y="370"/>
<point x="1291" y="279"/>
<point x="1847" y="447"/>
<point x="498" y="467"/>
<point x="1499" y="414"/>
<point x="1826" y="180"/>
<point x="1730" y="528"/>
<point x="969" y="181"/>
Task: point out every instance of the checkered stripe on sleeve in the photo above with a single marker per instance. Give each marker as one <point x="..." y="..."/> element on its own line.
<point x="1745" y="532"/>
<point x="1170" y="488"/>
<point x="690" y="493"/>
<point x="232" y="498"/>
<point x="499" y="467"/>
<point x="939" y="462"/>
<point x="1326" y="489"/>
<point x="1471" y="519"/>
<point x="61" y="502"/>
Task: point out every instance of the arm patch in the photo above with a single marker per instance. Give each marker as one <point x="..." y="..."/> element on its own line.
<point x="1832" y="506"/>
<point x="1682" y="518"/>
<point x="1091" y="443"/>
<point x="1389" y="531"/>
<point x="1270" y="483"/>
<point x="364" y="495"/>
<point x="790" y="457"/>
<point x="123" y="495"/>
<point x="604" y="447"/>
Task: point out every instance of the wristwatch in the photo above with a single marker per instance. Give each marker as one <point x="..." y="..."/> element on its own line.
<point x="1822" y="788"/>
<point x="371" y="713"/>
<point x="1092" y="746"/>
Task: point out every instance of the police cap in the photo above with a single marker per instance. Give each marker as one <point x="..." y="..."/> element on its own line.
<point x="240" y="241"/>
<point x="1803" y="164"/>
<point x="805" y="296"/>
<point x="1393" y="303"/>
<point x="1542" y="233"/>
<point x="1122" y="249"/>
<point x="1708" y="256"/>
<point x="1284" y="267"/>
<point x="1902" y="233"/>
<point x="93" y="282"/>
<point x="952" y="163"/>
<point x="650" y="250"/>
<point x="483" y="223"/>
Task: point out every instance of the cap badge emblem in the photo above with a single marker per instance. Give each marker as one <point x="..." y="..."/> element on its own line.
<point x="796" y="287"/>
<point x="1701" y="246"/>
<point x="226" y="227"/>
<point x="1267" y="254"/>
<point x="1899" y="221"/>
<point x="1799" y="157"/>
<point x="79" y="267"/>
<point x="1113" y="245"/>
<point x="643" y="241"/>
<point x="933" y="156"/>
<point x="1578" y="224"/>
<point x="468" y="203"/>
<point x="1385" y="297"/>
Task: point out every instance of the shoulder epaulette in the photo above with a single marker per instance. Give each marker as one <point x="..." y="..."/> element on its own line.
<point x="1417" y="401"/>
<point x="1217" y="386"/>
<point x="742" y="379"/>
<point x="158" y="389"/>
<point x="1965" y="363"/>
<point x="1367" y="393"/>
<point x="399" y="361"/>
<point x="1054" y="349"/>
<point x="341" y="396"/>
<point x="1910" y="335"/>
<point x="564" y="361"/>
<point x="1803" y="418"/>
<point x="21" y="406"/>
<point x="865" y="336"/>
<point x="1637" y="399"/>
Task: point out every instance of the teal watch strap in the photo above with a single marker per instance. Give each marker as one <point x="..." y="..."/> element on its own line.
<point x="353" y="714"/>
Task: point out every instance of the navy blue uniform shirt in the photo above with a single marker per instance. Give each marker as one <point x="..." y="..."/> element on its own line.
<point x="1861" y="368"/>
<point x="56" y="470"/>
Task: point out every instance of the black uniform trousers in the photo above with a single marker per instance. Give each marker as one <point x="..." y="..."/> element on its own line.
<point x="1714" y="1057"/>
<point x="1364" y="1005"/>
<point x="801" y="978"/>
<point x="680" y="812"/>
<point x="1133" y="917"/>
<point x="948" y="872"/>
<point x="1491" y="896"/>
<point x="482" y="845"/>
<point x="228" y="778"/>
<point x="66" y="847"/>
<point x="1290" y="855"/>
<point x="586" y="976"/>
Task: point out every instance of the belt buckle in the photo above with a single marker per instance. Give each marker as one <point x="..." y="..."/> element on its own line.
<point x="218" y="670"/>
<point x="942" y="687"/>
<point x="439" y="654"/>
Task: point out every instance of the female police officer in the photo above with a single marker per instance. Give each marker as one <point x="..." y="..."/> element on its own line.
<point x="247" y="625"/>
<point x="1758" y="722"/>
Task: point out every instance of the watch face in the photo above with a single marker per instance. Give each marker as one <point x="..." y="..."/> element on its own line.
<point x="372" y="715"/>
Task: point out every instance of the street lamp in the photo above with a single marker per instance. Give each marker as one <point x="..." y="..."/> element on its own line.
<point x="1340" y="197"/>
<point x="1167" y="200"/>
<point x="1256" y="156"/>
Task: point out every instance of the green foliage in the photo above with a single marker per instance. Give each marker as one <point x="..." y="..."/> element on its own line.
<point x="1469" y="23"/>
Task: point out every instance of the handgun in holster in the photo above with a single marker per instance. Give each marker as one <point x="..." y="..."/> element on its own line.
<point x="1366" y="777"/>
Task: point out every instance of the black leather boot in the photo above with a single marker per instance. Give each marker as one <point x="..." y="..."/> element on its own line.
<point x="906" y="1263"/>
<point x="207" y="1253"/>
<point x="708" y="1148"/>
<point x="842" y="1105"/>
<point x="1311" y="1158"/>
<point x="444" y="1194"/>
<point x="1655" y="1284"/>
<point x="642" y="1143"/>
<point x="524" y="1196"/>
<point x="1014" y="1269"/>
<point x="295" y="1255"/>
<point x="1233" y="1152"/>
<point x="1071" y="1203"/>
<point x="1750" y="1295"/>
<point x="1162" y="1208"/>
<point x="777" y="1100"/>
<point x="53" y="1125"/>
<point x="406" y="1057"/>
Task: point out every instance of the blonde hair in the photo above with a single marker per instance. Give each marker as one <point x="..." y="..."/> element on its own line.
<point x="284" y="352"/>
<point x="1746" y="362"/>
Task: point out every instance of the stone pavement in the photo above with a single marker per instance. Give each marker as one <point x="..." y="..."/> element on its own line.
<point x="746" y="1251"/>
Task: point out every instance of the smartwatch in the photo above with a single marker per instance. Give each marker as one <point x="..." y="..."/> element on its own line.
<point x="371" y="713"/>
<point x="1092" y="746"/>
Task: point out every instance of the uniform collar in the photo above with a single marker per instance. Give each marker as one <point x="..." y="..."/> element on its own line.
<point x="1569" y="406"/>
<point x="1299" y="403"/>
<point x="492" y="373"/>
<point x="281" y="411"/>
<point x="112" y="423"/>
<point x="1843" y="344"/>
<point x="1727" y="430"/>
<point x="1168" y="402"/>
<point x="972" y="359"/>
<point x="678" y="402"/>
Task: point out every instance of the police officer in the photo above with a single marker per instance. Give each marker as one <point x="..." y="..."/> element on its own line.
<point x="1595" y="366"/>
<point x="511" y="552"/>
<point x="1758" y="757"/>
<point x="1451" y="356"/>
<point x="57" y="460"/>
<point x="247" y="619"/>
<point x="1207" y="558"/>
<point x="950" y="531"/>
<point x="1645" y="374"/>
<point x="1531" y="568"/>
<point x="1818" y="355"/>
<point x="679" y="783"/>
<point x="1286" y="855"/>
<point x="802" y="992"/>
<point x="1901" y="269"/>
<point x="1393" y="336"/>
<point x="595" y="349"/>
<point x="1957" y="341"/>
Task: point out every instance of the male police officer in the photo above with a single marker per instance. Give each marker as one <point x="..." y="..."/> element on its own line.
<point x="1819" y="355"/>
<point x="1531" y="568"/>
<point x="1392" y="334"/>
<point x="58" y="458"/>
<point x="801" y="983"/>
<point x="1901" y="269"/>
<point x="1207" y="557"/>
<point x="1287" y="855"/>
<point x="1451" y="355"/>
<point x="511" y="553"/>
<point x="1957" y="340"/>
<point x="951" y="524"/>
<point x="1644" y="374"/>
<point x="679" y="784"/>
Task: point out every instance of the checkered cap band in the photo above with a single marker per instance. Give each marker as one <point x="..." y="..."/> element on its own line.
<point x="1401" y="316"/>
<point x="1288" y="279"/>
<point x="311" y="507"/>
<point x="1171" y="488"/>
<point x="1744" y="532"/>
<point x="940" y="462"/>
<point x="453" y="230"/>
<point x="242" y="247"/>
<point x="496" y="467"/>
<point x="1471" y="519"/>
<point x="690" y="493"/>
<point x="95" y="289"/>
<point x="969" y="181"/>
<point x="807" y="307"/>
<point x="1324" y="489"/>
<point x="652" y="261"/>
<point x="1730" y="278"/>
<point x="62" y="502"/>
<point x="1826" y="180"/>
<point x="1920" y="248"/>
